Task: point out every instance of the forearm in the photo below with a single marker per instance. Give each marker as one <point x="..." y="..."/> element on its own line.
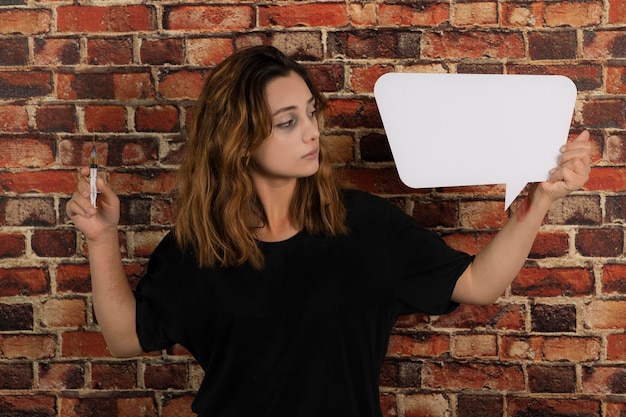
<point x="113" y="299"/>
<point x="498" y="263"/>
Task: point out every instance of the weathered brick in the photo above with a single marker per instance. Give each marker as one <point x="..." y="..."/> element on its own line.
<point x="16" y="317"/>
<point x="208" y="18"/>
<point x="13" y="118"/>
<point x="54" y="181"/>
<point x="607" y="179"/>
<point x="176" y="405"/>
<point x="12" y="245"/>
<point x="114" y="376"/>
<point x="359" y="44"/>
<point x="131" y="152"/>
<point x="586" y="76"/>
<point x="26" y="152"/>
<point x="605" y="314"/>
<point x="604" y="113"/>
<point x="105" y="118"/>
<point x="418" y="345"/>
<point x="470" y="242"/>
<point x="377" y="181"/>
<point x="14" y="51"/>
<point x="482" y="214"/>
<point x="552" y="282"/>
<point x="134" y="210"/>
<point x="616" y="347"/>
<point x="28" y="346"/>
<point x="553" y="318"/>
<point x="208" y="51"/>
<point x="580" y="210"/>
<point x="185" y="84"/>
<point x="538" y="406"/>
<point x="428" y="404"/>
<point x="23" y="281"/>
<point x="74" y="278"/>
<point x="86" y="86"/>
<point x="143" y="183"/>
<point x="54" y="243"/>
<point x="522" y="14"/>
<point x="303" y="14"/>
<point x="431" y="214"/>
<point x="600" y="242"/>
<point x="63" y="312"/>
<point x="106" y="19"/>
<point x="352" y="113"/>
<point x="136" y="85"/>
<point x="146" y="241"/>
<point x="375" y="148"/>
<point x="109" y="51"/>
<point x="455" y="375"/>
<point x="503" y="316"/>
<point x="25" y="84"/>
<point x="327" y="78"/>
<point x="363" y="14"/>
<point x="16" y="376"/>
<point x="56" y="51"/>
<point x="165" y="376"/>
<point x="573" y="13"/>
<point x="613" y="279"/>
<point x="554" y="379"/>
<point x="552" y="45"/>
<point x="475" y="345"/>
<point x="56" y="118"/>
<point x="88" y="406"/>
<point x="616" y="79"/>
<point x="61" y="376"/>
<point x="25" y="21"/>
<point x="31" y="211"/>
<point x="413" y="14"/>
<point x="142" y="405"/>
<point x="475" y="13"/>
<point x="604" y="44"/>
<point x="362" y="79"/>
<point x="617" y="11"/>
<point x="615" y="207"/>
<point x="24" y="405"/>
<point x="603" y="380"/>
<point x="162" y="51"/>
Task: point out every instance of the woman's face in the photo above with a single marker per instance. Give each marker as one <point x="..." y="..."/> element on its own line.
<point x="292" y="149"/>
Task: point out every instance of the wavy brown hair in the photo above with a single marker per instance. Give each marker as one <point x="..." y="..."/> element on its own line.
<point x="218" y="208"/>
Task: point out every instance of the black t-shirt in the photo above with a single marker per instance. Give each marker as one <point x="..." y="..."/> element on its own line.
<point x="306" y="335"/>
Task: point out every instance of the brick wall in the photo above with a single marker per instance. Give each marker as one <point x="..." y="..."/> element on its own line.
<point x="124" y="73"/>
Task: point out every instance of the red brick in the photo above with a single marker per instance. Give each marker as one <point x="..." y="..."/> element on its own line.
<point x="23" y="281"/>
<point x="464" y="45"/>
<point x="109" y="51"/>
<point x="553" y="282"/>
<point x="431" y="214"/>
<point x="484" y="405"/>
<point x="600" y="242"/>
<point x="15" y="376"/>
<point x="607" y="179"/>
<point x="377" y="181"/>
<point x="311" y="14"/>
<point x="131" y="86"/>
<point x="600" y="44"/>
<point x="553" y="379"/>
<point x="81" y="344"/>
<point x="26" y="153"/>
<point x="455" y="375"/>
<point x="362" y="79"/>
<point x="540" y="348"/>
<point x="25" y="21"/>
<point x="13" y="118"/>
<point x="579" y="210"/>
<point x="39" y="181"/>
<point x="475" y="13"/>
<point x="114" y="376"/>
<point x="25" y="84"/>
<point x="105" y="118"/>
<point x="352" y="113"/>
<point x="178" y="406"/>
<point x="482" y="214"/>
<point x="131" y="152"/>
<point x="41" y="405"/>
<point x="301" y="46"/>
<point x="106" y="19"/>
<point x="209" y="18"/>
<point x="159" y="118"/>
<point x="142" y="182"/>
<point x="416" y="14"/>
<point x="522" y="14"/>
<point x="74" y="278"/>
<point x="56" y="118"/>
<point x="85" y="86"/>
<point x="549" y="245"/>
<point x="140" y="406"/>
<point x="162" y="212"/>
<point x="165" y="376"/>
<point x="162" y="51"/>
<point x="468" y="242"/>
<point x="586" y="76"/>
<point x="388" y="404"/>
<point x="617" y="11"/>
<point x="63" y="312"/>
<point x="502" y="316"/>
<point x="327" y="78"/>
<point x="616" y="347"/>
<point x="184" y="84"/>
<point x="55" y="51"/>
<point x="383" y="43"/>
<point x="553" y="318"/>
<point x="616" y="80"/>
<point x="61" y="376"/>
<point x="604" y="113"/>
<point x="87" y="406"/>
<point x="613" y="279"/>
<point x="420" y="345"/>
<point x="573" y="13"/>
<point x="208" y="51"/>
<point x="615" y="207"/>
<point x="12" y="245"/>
<point x="54" y="243"/>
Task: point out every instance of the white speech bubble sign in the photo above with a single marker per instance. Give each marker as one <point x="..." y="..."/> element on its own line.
<point x="475" y="129"/>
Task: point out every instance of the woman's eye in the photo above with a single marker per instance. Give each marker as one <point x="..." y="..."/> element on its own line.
<point x="312" y="113"/>
<point x="286" y="124"/>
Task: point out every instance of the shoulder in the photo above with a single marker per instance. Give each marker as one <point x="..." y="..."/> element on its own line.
<point x="369" y="210"/>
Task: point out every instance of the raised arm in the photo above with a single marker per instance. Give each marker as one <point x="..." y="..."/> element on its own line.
<point x="113" y="299"/>
<point x="499" y="262"/>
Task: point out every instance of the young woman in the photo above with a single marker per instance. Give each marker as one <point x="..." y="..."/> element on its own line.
<point x="282" y="285"/>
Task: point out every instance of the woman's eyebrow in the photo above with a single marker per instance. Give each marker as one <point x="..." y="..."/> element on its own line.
<point x="289" y="108"/>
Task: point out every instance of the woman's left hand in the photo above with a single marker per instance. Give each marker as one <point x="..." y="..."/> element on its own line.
<point x="573" y="169"/>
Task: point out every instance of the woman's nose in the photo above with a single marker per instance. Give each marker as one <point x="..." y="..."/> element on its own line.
<point x="312" y="130"/>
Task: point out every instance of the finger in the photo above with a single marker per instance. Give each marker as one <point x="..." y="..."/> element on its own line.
<point x="79" y="206"/>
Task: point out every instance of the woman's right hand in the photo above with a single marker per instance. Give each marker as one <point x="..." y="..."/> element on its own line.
<point x="94" y="223"/>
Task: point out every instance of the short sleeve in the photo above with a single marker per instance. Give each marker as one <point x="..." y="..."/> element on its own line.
<point x="156" y="298"/>
<point x="426" y="267"/>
